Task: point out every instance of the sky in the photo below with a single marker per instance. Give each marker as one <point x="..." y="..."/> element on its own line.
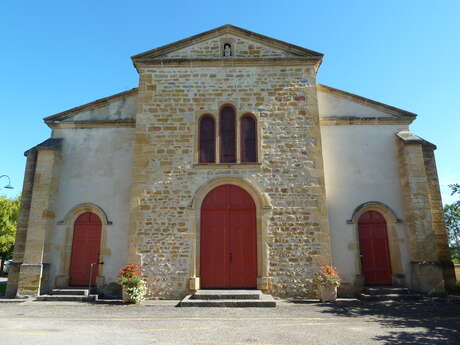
<point x="55" y="55"/>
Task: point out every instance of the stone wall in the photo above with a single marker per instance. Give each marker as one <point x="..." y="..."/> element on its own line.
<point x="32" y="280"/>
<point x="290" y="173"/>
<point x="432" y="271"/>
<point x="21" y="231"/>
<point x="437" y="216"/>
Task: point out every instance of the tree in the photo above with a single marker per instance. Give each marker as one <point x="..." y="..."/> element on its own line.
<point x="456" y="190"/>
<point x="9" y="213"/>
<point x="452" y="220"/>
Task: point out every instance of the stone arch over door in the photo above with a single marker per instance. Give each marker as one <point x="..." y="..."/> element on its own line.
<point x="394" y="241"/>
<point x="62" y="279"/>
<point x="263" y="211"/>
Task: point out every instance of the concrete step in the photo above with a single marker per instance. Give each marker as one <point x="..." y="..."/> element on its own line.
<point x="227" y="294"/>
<point x="382" y="290"/>
<point x="82" y="292"/>
<point x="67" y="298"/>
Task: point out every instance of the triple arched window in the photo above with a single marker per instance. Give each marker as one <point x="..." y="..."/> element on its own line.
<point x="228" y="137"/>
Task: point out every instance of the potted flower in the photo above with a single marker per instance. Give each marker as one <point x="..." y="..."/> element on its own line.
<point x="133" y="284"/>
<point x="328" y="280"/>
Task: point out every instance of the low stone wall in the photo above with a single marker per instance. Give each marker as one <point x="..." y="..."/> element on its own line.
<point x="457" y="272"/>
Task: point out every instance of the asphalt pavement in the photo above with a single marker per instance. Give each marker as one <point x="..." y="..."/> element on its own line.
<point x="430" y="321"/>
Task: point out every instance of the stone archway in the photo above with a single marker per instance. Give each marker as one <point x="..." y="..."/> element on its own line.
<point x="263" y="210"/>
<point x="62" y="279"/>
<point x="392" y="221"/>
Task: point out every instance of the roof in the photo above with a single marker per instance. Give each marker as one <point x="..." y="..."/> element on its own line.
<point x="367" y="101"/>
<point x="410" y="138"/>
<point x="223" y="30"/>
<point x="48" y="144"/>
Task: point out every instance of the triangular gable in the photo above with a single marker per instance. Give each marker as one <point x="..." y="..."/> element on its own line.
<point x="118" y="107"/>
<point x="244" y="44"/>
<point x="337" y="103"/>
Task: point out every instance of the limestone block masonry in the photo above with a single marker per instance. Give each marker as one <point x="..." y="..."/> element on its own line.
<point x="290" y="171"/>
<point x="132" y="159"/>
<point x="33" y="271"/>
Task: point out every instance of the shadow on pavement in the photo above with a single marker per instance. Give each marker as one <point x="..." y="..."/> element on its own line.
<point x="427" y="321"/>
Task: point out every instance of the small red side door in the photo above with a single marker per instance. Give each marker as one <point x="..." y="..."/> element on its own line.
<point x="85" y="249"/>
<point x="375" y="253"/>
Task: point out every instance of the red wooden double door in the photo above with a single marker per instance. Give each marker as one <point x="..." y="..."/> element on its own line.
<point x="375" y="253"/>
<point x="228" y="239"/>
<point x="85" y="250"/>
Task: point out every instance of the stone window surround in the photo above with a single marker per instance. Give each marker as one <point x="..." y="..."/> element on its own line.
<point x="62" y="279"/>
<point x="215" y="115"/>
<point x="395" y="243"/>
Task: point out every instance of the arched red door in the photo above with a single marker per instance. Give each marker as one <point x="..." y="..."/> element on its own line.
<point x="85" y="249"/>
<point x="375" y="253"/>
<point x="228" y="242"/>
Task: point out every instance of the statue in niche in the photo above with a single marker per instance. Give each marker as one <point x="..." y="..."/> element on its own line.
<point x="227" y="49"/>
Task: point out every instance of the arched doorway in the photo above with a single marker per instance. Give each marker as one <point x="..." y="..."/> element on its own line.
<point x="375" y="254"/>
<point x="86" y="245"/>
<point x="228" y="239"/>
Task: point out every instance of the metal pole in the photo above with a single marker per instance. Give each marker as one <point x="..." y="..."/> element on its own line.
<point x="90" y="276"/>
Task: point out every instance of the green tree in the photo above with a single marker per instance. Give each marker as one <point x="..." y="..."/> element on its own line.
<point x="9" y="213"/>
<point x="452" y="220"/>
<point x="456" y="190"/>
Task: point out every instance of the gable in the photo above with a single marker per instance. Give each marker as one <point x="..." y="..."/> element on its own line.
<point x="118" y="107"/>
<point x="334" y="103"/>
<point x="240" y="47"/>
<point x="244" y="44"/>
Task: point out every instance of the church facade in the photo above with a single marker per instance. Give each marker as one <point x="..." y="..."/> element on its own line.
<point x="230" y="166"/>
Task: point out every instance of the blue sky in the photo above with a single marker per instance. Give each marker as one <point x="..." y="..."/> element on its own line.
<point x="55" y="55"/>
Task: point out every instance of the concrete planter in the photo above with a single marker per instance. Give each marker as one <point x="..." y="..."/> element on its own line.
<point x="327" y="293"/>
<point x="125" y="295"/>
<point x="129" y="299"/>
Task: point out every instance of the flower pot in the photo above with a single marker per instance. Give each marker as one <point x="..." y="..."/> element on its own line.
<point x="125" y="295"/>
<point x="139" y="293"/>
<point x="327" y="293"/>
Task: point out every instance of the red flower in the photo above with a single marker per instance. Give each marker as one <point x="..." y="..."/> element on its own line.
<point x="129" y="271"/>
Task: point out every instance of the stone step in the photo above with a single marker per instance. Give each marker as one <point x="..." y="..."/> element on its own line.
<point x="227" y="295"/>
<point x="382" y="290"/>
<point x="67" y="298"/>
<point x="228" y="303"/>
<point x="82" y="292"/>
<point x="228" y="299"/>
<point x="389" y="297"/>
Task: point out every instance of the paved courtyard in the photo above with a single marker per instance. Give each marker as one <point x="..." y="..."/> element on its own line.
<point x="302" y="322"/>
